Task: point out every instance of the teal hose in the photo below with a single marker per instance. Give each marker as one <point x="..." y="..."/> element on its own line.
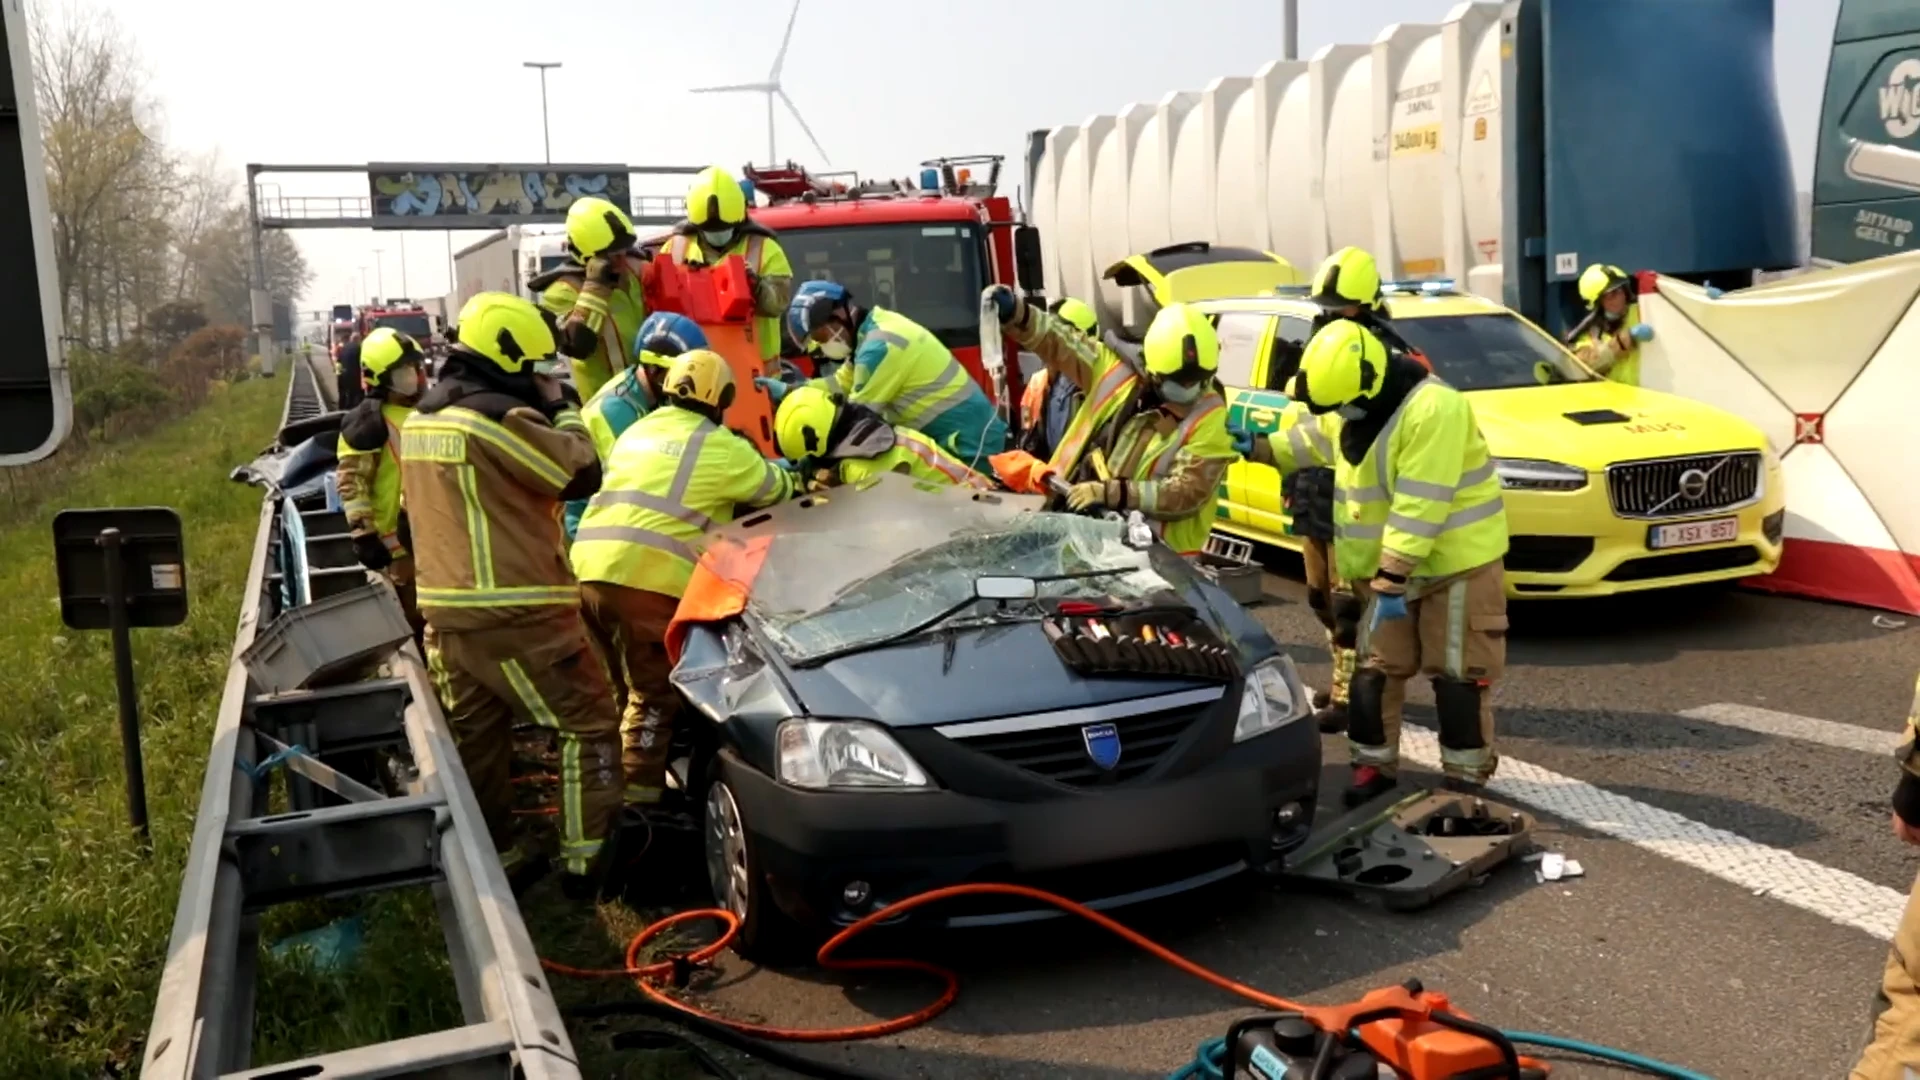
<point x="1605" y="1053"/>
<point x="1209" y="1061"/>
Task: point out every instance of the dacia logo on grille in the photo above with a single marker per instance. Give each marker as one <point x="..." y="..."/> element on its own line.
<point x="1103" y="744"/>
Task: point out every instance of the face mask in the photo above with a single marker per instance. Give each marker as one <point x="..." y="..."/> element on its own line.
<point x="406" y="383"/>
<point x="1350" y="411"/>
<point x="1179" y="393"/>
<point x="717" y="239"/>
<point x="836" y="348"/>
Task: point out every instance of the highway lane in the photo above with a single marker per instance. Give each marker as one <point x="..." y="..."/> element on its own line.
<point x="1728" y="871"/>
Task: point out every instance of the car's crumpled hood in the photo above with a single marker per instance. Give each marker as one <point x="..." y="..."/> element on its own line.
<point x="1533" y="422"/>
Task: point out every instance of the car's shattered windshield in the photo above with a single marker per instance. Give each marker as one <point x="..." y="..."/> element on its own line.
<point x="900" y="565"/>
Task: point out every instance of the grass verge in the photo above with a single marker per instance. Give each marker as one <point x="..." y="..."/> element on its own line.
<point x="84" y="912"/>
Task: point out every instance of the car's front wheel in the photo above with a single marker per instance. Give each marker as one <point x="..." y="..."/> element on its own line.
<point x="766" y="933"/>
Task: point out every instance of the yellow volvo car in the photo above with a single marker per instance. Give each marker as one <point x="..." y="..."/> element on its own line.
<point x="1608" y="488"/>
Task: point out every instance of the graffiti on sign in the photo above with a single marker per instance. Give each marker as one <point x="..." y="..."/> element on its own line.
<point x="486" y="196"/>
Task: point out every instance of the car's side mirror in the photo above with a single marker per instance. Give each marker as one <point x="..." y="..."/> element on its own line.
<point x="1029" y="270"/>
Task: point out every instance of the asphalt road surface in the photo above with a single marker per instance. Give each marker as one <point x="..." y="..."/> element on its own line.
<point x="1740" y="879"/>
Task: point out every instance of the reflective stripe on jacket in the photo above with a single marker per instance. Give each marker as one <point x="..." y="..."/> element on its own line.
<point x="1111" y="385"/>
<point x="767" y="260"/>
<point x="615" y="321"/>
<point x="369" y="480"/>
<point x="484" y="500"/>
<point x="622" y="401"/>
<point x="903" y="372"/>
<point x="673" y="475"/>
<point x="1425" y="491"/>
<point x="918" y="457"/>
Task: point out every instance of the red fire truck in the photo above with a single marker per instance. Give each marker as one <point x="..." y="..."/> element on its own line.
<point x="926" y="250"/>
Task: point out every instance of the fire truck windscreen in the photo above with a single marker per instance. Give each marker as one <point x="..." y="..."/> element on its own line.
<point x="417" y="327"/>
<point x="931" y="273"/>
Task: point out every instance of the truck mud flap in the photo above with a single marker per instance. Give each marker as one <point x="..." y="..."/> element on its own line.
<point x="1408" y="851"/>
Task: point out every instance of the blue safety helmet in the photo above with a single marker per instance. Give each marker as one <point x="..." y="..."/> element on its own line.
<point x="667" y="335"/>
<point x="813" y="303"/>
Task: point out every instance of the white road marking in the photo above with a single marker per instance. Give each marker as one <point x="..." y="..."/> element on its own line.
<point x="1832" y="894"/>
<point x="1805" y="728"/>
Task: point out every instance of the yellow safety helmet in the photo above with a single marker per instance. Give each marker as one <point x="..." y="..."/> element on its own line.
<point x="596" y="226"/>
<point x="715" y="199"/>
<point x="1181" y="345"/>
<point x="385" y="349"/>
<point x="1598" y="280"/>
<point x="700" y="377"/>
<point x="1077" y="314"/>
<point x="1349" y="276"/>
<point x="1343" y="363"/>
<point x="508" y="332"/>
<point x="804" y="421"/>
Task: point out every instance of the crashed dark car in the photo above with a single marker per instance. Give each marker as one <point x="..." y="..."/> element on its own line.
<point x="887" y="713"/>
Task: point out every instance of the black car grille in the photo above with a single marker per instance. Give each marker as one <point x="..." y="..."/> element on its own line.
<point x="1060" y="753"/>
<point x="1652" y="489"/>
<point x="1547" y="554"/>
<point x="1680" y="563"/>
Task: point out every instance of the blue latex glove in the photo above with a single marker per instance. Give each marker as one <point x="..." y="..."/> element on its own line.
<point x="1387" y="607"/>
<point x="1003" y="301"/>
<point x="774" y="387"/>
<point x="1642" y="332"/>
<point x="1242" y="441"/>
<point x="1714" y="292"/>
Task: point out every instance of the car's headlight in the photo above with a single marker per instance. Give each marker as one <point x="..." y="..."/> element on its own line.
<point x="824" y="754"/>
<point x="1268" y="700"/>
<point x="1527" y="474"/>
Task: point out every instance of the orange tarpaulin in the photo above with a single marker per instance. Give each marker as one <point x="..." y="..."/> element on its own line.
<point x="722" y="581"/>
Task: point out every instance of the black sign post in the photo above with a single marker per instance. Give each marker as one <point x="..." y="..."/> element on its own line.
<point x="118" y="569"/>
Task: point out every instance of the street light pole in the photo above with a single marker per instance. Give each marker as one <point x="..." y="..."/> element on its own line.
<point x="546" y="133"/>
<point x="380" y="269"/>
<point x="1290" y="30"/>
<point x="404" y="291"/>
<point x="363" y="284"/>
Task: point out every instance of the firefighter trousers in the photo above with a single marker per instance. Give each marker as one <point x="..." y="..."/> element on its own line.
<point x="1337" y="609"/>
<point x="1893" y="1047"/>
<point x="1455" y="633"/>
<point x="540" y="671"/>
<point x="399" y="574"/>
<point x="631" y="626"/>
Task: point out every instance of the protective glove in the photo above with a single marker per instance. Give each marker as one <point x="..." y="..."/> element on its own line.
<point x="1715" y="292"/>
<point x="604" y="270"/>
<point x="1387" y="607"/>
<point x="1004" y="302"/>
<point x="1087" y="494"/>
<point x="774" y="387"/>
<point x="1242" y="440"/>
<point x="1642" y="332"/>
<point x="372" y="551"/>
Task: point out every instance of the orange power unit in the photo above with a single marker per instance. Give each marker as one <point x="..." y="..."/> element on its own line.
<point x="720" y="299"/>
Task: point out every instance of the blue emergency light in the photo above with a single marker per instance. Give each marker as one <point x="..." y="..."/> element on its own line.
<point x="1431" y="286"/>
<point x="930" y="179"/>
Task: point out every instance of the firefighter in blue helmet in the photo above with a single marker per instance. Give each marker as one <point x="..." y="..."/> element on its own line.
<point x="898" y="369"/>
<point x="634" y="392"/>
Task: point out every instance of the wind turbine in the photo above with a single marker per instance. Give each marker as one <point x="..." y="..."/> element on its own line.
<point x="772" y="89"/>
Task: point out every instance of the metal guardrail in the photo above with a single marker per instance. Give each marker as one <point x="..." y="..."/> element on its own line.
<point x="346" y="832"/>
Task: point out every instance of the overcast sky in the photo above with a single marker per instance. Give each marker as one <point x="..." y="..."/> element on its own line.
<point x="882" y="85"/>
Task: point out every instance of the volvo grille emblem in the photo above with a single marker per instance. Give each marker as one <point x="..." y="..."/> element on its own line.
<point x="1693" y="484"/>
<point x="1103" y="744"/>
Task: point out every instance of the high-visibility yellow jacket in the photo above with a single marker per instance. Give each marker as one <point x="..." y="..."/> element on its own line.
<point x="901" y="371"/>
<point x="1599" y="349"/>
<point x="1169" y="468"/>
<point x="1110" y="383"/>
<point x="765" y="259"/>
<point x="624" y="399"/>
<point x="612" y="318"/>
<point x="368" y="470"/>
<point x="485" y="480"/>
<point x="673" y="475"/>
<point x="1426" y="490"/>
<point x="908" y="452"/>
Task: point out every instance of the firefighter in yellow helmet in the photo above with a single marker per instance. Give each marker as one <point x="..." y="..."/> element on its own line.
<point x="674" y="474"/>
<point x="717" y="226"/>
<point x="392" y="369"/>
<point x="1420" y="529"/>
<point x="487" y="459"/>
<point x="1608" y="340"/>
<point x="1048" y="404"/>
<point x="849" y="442"/>
<point x="595" y="297"/>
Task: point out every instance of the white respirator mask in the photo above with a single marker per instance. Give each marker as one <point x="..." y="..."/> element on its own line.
<point x="1180" y="393"/>
<point x="405" y="382"/>
<point x="836" y="347"/>
<point x="718" y="239"/>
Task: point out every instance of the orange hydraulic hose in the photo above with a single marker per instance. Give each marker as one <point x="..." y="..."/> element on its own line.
<point x="646" y="977"/>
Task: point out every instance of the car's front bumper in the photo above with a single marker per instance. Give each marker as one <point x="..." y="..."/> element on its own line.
<point x="1107" y="845"/>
